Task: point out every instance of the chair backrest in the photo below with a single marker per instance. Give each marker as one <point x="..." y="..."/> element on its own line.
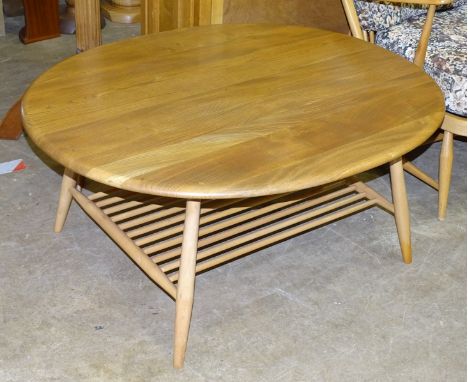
<point x="161" y="15"/>
<point x="359" y="32"/>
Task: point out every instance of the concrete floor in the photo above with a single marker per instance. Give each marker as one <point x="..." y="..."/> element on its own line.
<point x="336" y="304"/>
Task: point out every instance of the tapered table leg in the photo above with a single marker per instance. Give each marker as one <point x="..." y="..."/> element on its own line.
<point x="65" y="199"/>
<point x="186" y="285"/>
<point x="400" y="203"/>
<point x="445" y="173"/>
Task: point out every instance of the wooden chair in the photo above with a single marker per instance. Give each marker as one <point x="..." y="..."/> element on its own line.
<point x="453" y="124"/>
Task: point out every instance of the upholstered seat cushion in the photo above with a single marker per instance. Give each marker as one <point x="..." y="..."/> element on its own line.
<point x="446" y="54"/>
<point x="376" y="15"/>
<point x="379" y="15"/>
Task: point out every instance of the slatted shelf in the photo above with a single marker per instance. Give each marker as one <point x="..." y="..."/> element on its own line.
<point x="228" y="228"/>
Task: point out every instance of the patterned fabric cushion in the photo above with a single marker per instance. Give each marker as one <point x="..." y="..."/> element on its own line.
<point x="375" y="15"/>
<point x="446" y="54"/>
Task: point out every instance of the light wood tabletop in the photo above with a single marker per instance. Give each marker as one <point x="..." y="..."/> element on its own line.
<point x="230" y="111"/>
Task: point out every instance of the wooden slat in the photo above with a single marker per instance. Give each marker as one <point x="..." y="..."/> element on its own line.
<point x="231" y="221"/>
<point x="124" y="242"/>
<point x="106" y="193"/>
<point x="97" y="195"/>
<point x="149" y="218"/>
<point x="265" y="242"/>
<point x="163" y="231"/>
<point x="110" y="201"/>
<point x="204" y="219"/>
<point x="353" y="19"/>
<point x="137" y="201"/>
<point x="263" y="232"/>
<point x="207" y="218"/>
<point x="239" y="222"/>
<point x="267" y="219"/>
<point x="156" y="216"/>
<point x="138" y="211"/>
<point x="113" y="198"/>
<point x="275" y="216"/>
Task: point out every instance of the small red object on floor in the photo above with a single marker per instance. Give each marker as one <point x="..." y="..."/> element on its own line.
<point x="12" y="166"/>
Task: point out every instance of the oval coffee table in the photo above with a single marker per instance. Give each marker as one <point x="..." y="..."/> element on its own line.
<point x="221" y="140"/>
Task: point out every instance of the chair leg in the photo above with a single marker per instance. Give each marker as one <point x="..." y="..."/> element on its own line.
<point x="186" y="284"/>
<point x="65" y="199"/>
<point x="445" y="172"/>
<point x="400" y="203"/>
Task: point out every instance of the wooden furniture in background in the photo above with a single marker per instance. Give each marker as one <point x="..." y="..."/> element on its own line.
<point x="88" y="35"/>
<point x="67" y="18"/>
<point x="41" y="21"/>
<point x="241" y="136"/>
<point x="122" y="11"/>
<point x="162" y="15"/>
<point x="453" y="124"/>
<point x="88" y="24"/>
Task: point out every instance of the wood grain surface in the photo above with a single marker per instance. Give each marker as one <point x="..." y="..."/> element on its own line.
<point x="231" y="111"/>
